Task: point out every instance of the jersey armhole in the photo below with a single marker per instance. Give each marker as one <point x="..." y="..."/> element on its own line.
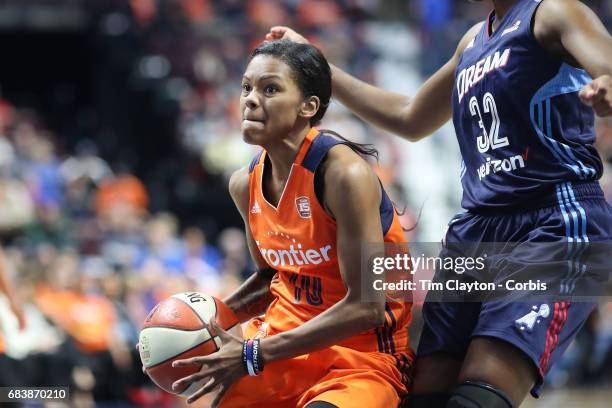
<point x="552" y="57"/>
<point x="386" y="208"/>
<point x="532" y="35"/>
<point x="319" y="180"/>
<point x="319" y="186"/>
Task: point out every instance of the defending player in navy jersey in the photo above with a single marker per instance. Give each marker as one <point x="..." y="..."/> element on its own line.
<point x="522" y="89"/>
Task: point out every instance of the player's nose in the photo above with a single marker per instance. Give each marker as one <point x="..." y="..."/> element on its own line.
<point x="251" y="100"/>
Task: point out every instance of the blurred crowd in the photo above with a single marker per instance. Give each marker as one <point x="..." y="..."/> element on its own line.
<point x="89" y="261"/>
<point x="199" y="49"/>
<point x="91" y="255"/>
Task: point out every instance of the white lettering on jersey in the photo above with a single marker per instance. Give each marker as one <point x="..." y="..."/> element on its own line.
<point x="293" y="256"/>
<point x="472" y="75"/>
<point x="506" y="165"/>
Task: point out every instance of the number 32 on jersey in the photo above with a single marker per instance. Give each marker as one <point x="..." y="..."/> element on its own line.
<point x="487" y="140"/>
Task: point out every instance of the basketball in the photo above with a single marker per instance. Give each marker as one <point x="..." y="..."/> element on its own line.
<point x="178" y="328"/>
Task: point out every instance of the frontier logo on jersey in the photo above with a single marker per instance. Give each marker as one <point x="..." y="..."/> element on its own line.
<point x="508" y="164"/>
<point x="303" y="206"/>
<point x="295" y="254"/>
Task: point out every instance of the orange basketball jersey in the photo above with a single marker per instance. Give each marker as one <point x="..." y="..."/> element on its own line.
<point x="298" y="239"/>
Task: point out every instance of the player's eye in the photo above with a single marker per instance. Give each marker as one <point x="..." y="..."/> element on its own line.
<point x="271" y="89"/>
<point x="246" y="88"/>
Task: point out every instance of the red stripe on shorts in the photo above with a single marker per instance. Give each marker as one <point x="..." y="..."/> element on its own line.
<point x="552" y="335"/>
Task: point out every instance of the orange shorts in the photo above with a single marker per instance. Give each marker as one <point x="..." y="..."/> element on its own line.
<point x="338" y="375"/>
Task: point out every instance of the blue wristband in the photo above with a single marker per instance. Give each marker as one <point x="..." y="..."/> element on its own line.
<point x="249" y="358"/>
<point x="257" y="363"/>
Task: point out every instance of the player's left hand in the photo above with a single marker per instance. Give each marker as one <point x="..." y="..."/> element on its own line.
<point x="223" y="367"/>
<point x="598" y="95"/>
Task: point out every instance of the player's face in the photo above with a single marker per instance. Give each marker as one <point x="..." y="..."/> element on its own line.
<point x="270" y="101"/>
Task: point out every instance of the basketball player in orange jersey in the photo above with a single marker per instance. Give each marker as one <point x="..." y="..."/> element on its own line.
<point x="309" y="203"/>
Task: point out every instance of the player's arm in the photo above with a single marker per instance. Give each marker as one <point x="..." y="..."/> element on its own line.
<point x="411" y="118"/>
<point x="570" y="27"/>
<point x="7" y="289"/>
<point x="352" y="194"/>
<point x="253" y="296"/>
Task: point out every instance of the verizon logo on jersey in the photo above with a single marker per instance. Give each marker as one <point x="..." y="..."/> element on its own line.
<point x="507" y="165"/>
<point x="470" y="76"/>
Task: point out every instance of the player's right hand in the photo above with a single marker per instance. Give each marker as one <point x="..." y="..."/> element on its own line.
<point x="282" y="32"/>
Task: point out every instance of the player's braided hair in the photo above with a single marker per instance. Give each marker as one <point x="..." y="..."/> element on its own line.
<point x="312" y="74"/>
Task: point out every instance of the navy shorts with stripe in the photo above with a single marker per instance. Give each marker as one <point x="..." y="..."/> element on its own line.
<point x="541" y="329"/>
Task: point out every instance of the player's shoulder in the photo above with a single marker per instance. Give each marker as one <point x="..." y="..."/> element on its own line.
<point x="469" y="36"/>
<point x="553" y="18"/>
<point x="346" y="171"/>
<point x="343" y="162"/>
<point x="561" y="6"/>
<point x="239" y="187"/>
<point x="554" y="14"/>
<point x="475" y="29"/>
<point x="239" y="180"/>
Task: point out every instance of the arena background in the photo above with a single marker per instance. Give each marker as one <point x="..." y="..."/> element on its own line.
<point x="119" y="129"/>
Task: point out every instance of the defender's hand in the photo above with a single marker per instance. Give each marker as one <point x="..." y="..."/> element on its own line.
<point x="282" y="32"/>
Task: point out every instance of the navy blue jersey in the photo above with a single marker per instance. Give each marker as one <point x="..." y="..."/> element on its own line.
<point x="520" y="124"/>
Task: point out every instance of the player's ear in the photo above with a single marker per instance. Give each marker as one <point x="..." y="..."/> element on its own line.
<point x="309" y="107"/>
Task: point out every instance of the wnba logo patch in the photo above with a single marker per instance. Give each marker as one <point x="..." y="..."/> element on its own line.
<point x="303" y="206"/>
<point x="528" y="321"/>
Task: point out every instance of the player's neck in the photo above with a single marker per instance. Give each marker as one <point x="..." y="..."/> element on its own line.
<point x="282" y="154"/>
<point x="501" y="9"/>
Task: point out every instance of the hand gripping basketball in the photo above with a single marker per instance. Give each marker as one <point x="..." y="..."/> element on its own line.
<point x="179" y="328"/>
<point x="223" y="367"/>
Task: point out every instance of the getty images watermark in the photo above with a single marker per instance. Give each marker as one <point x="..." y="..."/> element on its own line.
<point x="487" y="271"/>
<point x="459" y="265"/>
